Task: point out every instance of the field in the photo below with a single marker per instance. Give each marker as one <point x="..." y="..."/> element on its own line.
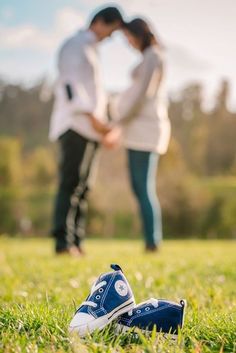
<point x="39" y="292"/>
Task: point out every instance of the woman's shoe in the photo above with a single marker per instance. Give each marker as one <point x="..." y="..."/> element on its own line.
<point x="151" y="248"/>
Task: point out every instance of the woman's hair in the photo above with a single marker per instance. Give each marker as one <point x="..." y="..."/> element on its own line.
<point x="140" y="29"/>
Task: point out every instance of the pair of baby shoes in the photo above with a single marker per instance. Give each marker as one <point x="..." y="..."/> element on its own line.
<point x="112" y="298"/>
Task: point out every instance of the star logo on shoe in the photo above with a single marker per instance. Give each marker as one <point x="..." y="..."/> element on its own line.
<point x="121" y="288"/>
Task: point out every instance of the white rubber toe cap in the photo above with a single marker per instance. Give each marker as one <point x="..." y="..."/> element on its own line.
<point x="80" y="322"/>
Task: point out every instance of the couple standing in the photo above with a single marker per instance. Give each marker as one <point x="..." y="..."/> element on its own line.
<point x="79" y="122"/>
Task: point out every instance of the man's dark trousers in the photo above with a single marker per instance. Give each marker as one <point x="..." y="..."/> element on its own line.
<point x="77" y="157"/>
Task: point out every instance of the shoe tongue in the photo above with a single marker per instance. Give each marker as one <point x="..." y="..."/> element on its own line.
<point x="100" y="278"/>
<point x="104" y="276"/>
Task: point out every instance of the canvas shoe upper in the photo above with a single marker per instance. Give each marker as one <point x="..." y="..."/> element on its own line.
<point x="110" y="297"/>
<point x="165" y="315"/>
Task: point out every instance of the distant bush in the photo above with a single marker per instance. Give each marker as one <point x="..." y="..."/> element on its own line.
<point x="10" y="161"/>
<point x="10" y="178"/>
<point x="191" y="206"/>
<point x="25" y="188"/>
<point x="183" y="201"/>
<point x="9" y="210"/>
<point x="40" y="167"/>
<point x="219" y="221"/>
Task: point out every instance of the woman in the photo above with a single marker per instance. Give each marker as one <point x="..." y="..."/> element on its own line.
<point x="141" y="112"/>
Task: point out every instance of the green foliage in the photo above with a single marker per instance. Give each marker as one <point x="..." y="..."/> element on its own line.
<point x="10" y="161"/>
<point x="10" y="177"/>
<point x="39" y="203"/>
<point x="25" y="187"/>
<point x="9" y="203"/>
<point x="207" y="139"/>
<point x="190" y="206"/>
<point x="40" y="167"/>
<point x="182" y="199"/>
<point x="220" y="216"/>
<point x="25" y="114"/>
<point x="39" y="293"/>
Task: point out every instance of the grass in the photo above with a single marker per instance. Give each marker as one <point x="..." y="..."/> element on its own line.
<point x="39" y="292"/>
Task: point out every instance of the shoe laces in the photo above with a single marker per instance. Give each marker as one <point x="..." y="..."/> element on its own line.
<point x="94" y="288"/>
<point x="152" y="301"/>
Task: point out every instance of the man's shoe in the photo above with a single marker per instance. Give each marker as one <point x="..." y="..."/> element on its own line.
<point x="72" y="251"/>
<point x="165" y="315"/>
<point x="63" y="251"/>
<point x="81" y="250"/>
<point x="110" y="297"/>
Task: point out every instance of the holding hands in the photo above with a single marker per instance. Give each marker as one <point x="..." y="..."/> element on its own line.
<point x="99" y="127"/>
<point x="111" y="136"/>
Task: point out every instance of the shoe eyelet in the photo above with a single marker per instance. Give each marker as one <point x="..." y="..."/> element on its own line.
<point x="100" y="290"/>
<point x="147" y="308"/>
<point x="138" y="311"/>
<point x="97" y="297"/>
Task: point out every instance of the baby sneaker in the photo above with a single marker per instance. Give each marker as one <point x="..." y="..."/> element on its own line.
<point x="165" y="315"/>
<point x="110" y="297"/>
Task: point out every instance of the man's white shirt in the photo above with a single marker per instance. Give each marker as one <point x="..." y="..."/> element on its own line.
<point x="78" y="66"/>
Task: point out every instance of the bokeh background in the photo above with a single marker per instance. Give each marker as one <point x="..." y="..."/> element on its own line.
<point x="196" y="179"/>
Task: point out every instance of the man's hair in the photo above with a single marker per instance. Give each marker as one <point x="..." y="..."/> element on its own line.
<point x="108" y="15"/>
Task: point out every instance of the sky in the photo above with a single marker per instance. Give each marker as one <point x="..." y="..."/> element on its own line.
<point x="199" y="37"/>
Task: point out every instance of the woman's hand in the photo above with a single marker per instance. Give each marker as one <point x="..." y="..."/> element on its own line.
<point x="113" y="138"/>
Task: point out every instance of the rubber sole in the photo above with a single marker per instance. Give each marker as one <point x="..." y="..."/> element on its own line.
<point x="135" y="331"/>
<point x="101" y="322"/>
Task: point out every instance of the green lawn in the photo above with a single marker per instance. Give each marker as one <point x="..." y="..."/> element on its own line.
<point x="38" y="293"/>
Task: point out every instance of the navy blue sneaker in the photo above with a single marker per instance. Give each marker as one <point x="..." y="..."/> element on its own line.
<point x="165" y="315"/>
<point x="110" y="297"/>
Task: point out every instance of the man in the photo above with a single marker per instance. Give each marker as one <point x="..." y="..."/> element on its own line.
<point x="78" y="122"/>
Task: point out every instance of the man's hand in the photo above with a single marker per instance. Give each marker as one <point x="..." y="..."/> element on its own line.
<point x="98" y="126"/>
<point x="113" y="138"/>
